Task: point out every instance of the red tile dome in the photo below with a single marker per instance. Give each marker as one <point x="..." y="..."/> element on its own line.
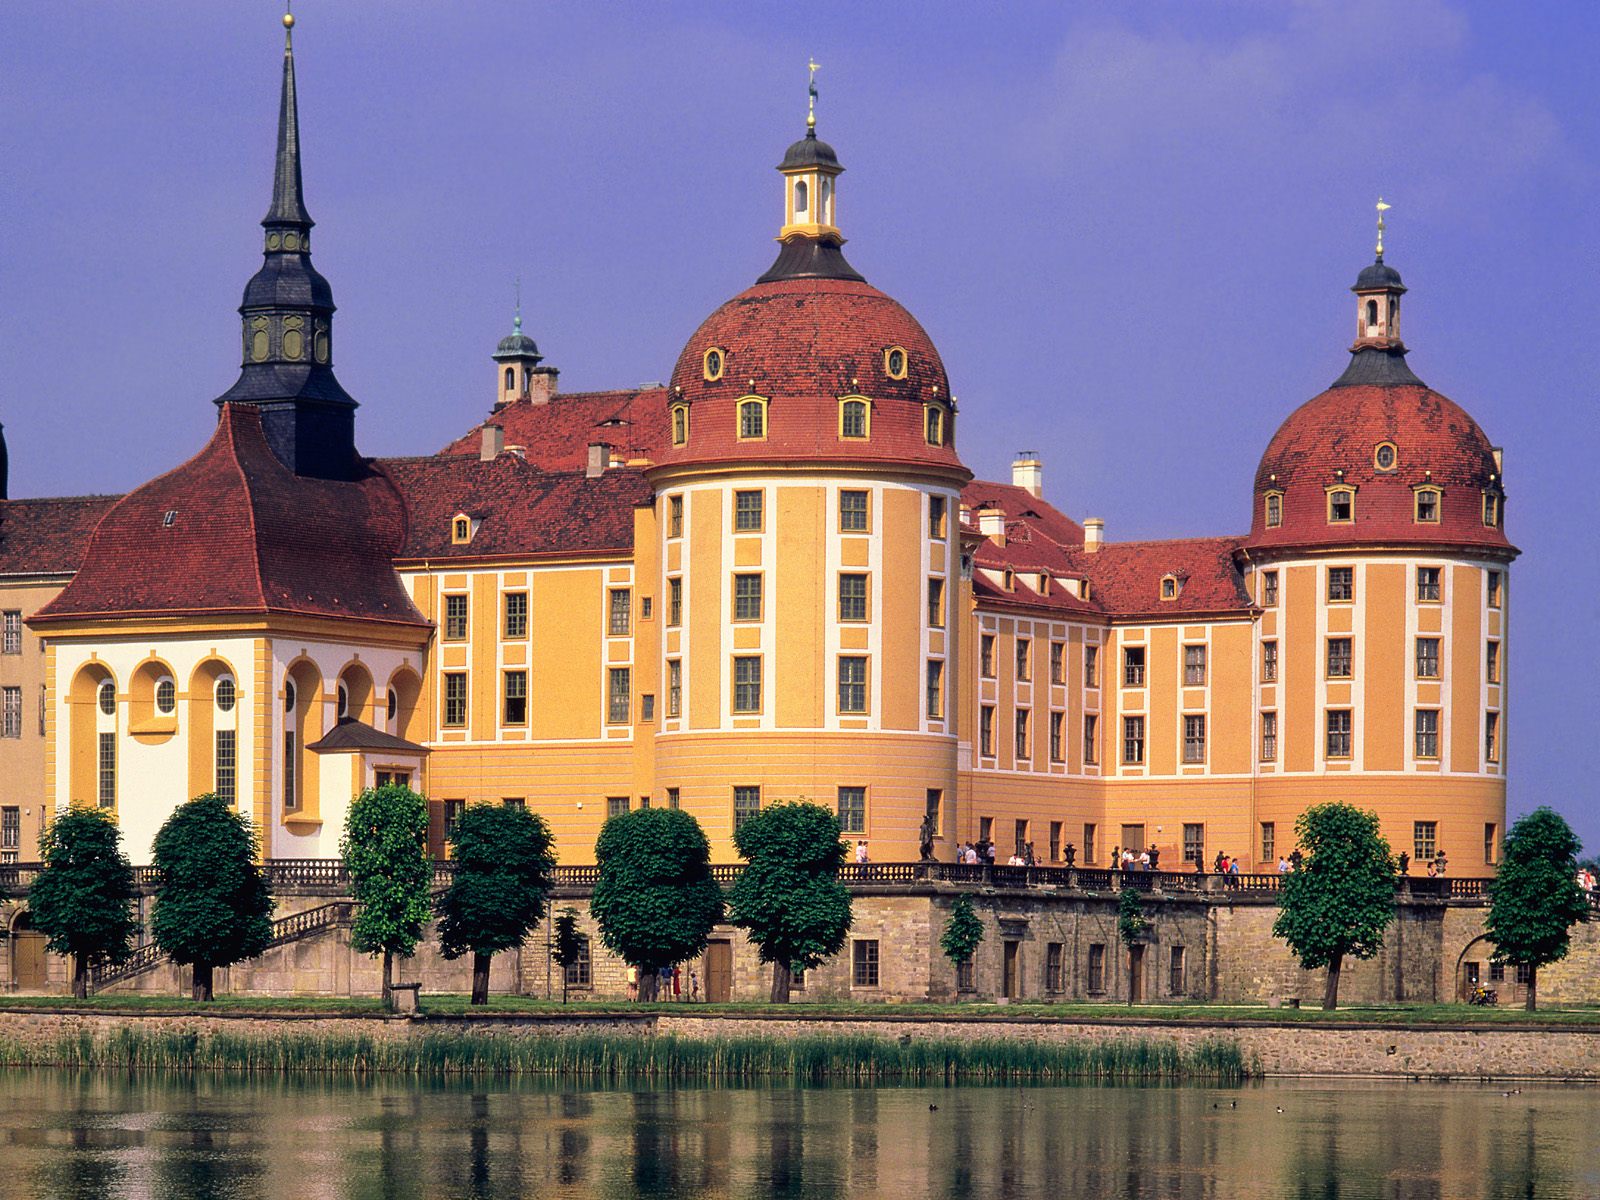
<point x="803" y="344"/>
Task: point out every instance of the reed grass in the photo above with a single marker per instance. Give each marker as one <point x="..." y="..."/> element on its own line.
<point x="600" y="1058"/>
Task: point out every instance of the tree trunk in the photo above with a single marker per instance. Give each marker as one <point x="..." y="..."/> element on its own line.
<point x="388" y="981"/>
<point x="647" y="985"/>
<point x="1533" y="988"/>
<point x="480" y="977"/>
<point x="1330" y="994"/>
<point x="563" y="985"/>
<point x="80" y="977"/>
<point x="782" y="977"/>
<point x="201" y="986"/>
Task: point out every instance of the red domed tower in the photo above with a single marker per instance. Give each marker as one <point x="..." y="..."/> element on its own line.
<point x="808" y="505"/>
<point x="1378" y="554"/>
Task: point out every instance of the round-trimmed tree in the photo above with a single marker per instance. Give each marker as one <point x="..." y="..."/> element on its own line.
<point x="83" y="899"/>
<point x="1534" y="897"/>
<point x="1340" y="899"/>
<point x="385" y="849"/>
<point x="789" y="898"/>
<point x="505" y="868"/>
<point x="213" y="904"/>
<point x="655" y="901"/>
<point x="963" y="934"/>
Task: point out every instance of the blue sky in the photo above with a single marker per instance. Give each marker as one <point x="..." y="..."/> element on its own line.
<point x="1130" y="228"/>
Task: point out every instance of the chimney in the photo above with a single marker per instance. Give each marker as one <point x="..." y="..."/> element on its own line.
<point x="1094" y="534"/>
<point x="599" y="459"/>
<point x="1027" y="473"/>
<point x="494" y="441"/>
<point x="992" y="524"/>
<point x="542" y="384"/>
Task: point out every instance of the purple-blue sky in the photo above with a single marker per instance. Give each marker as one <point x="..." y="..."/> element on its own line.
<point x="1130" y="228"/>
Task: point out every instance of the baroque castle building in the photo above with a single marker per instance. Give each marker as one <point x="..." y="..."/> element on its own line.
<point x="772" y="578"/>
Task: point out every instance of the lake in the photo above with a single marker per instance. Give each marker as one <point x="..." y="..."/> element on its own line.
<point x="95" y="1136"/>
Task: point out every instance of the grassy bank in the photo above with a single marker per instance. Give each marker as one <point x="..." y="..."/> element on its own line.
<point x="611" y="1059"/>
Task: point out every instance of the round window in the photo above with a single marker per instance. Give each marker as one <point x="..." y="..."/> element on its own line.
<point x="166" y="696"/>
<point x="1385" y="457"/>
<point x="394" y="704"/>
<point x="108" y="698"/>
<point x="226" y="694"/>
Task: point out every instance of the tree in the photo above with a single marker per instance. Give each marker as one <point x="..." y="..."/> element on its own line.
<point x="789" y="899"/>
<point x="83" y="899"/>
<point x="655" y="900"/>
<point x="1341" y="897"/>
<point x="1534" y="898"/>
<point x="963" y="934"/>
<point x="213" y="904"/>
<point x="505" y="868"/>
<point x="1131" y="926"/>
<point x="385" y="849"/>
<point x="568" y="950"/>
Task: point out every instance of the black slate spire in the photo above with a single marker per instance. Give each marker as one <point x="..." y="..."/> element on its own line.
<point x="288" y="324"/>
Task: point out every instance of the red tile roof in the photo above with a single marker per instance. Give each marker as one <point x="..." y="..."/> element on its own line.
<point x="521" y="509"/>
<point x="556" y="436"/>
<point x="48" y="536"/>
<point x="1340" y="430"/>
<point x="246" y="536"/>
<point x="1021" y="505"/>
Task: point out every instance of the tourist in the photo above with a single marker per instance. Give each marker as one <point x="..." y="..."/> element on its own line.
<point x="1015" y="860"/>
<point x="1127" y="860"/>
<point x="861" y="852"/>
<point x="1116" y="858"/>
<point x="1144" y="860"/>
<point x="1433" y="869"/>
<point x="633" y="983"/>
<point x="1439" y="861"/>
<point x="972" y="856"/>
<point x="1233" y="866"/>
<point x="1283" y="864"/>
<point x="989" y="851"/>
<point x="1220" y="866"/>
<point x="694" y="986"/>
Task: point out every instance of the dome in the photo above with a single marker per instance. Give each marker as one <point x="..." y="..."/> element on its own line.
<point x="809" y="151"/>
<point x="517" y="345"/>
<point x="803" y="344"/>
<point x="1379" y="276"/>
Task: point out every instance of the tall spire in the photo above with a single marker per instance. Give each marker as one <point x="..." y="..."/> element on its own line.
<point x="1378" y="356"/>
<point x="288" y="200"/>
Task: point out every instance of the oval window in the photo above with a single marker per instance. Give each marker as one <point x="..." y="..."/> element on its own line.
<point x="293" y="343"/>
<point x="259" y="345"/>
<point x="1385" y="457"/>
<point x="394" y="704"/>
<point x="226" y="694"/>
<point x="344" y="702"/>
<point x="108" y="698"/>
<point x="166" y="696"/>
<point x="897" y="364"/>
<point x="288" y="695"/>
<point x="291" y="241"/>
<point x="713" y="365"/>
<point x="322" y="346"/>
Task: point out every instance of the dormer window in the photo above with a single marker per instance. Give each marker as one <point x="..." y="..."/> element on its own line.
<point x="168" y="517"/>
<point x="854" y="413"/>
<point x="461" y="529"/>
<point x="894" y="362"/>
<point x="713" y="365"/>
<point x="1341" y="506"/>
<point x="1427" y="505"/>
<point x="1492" y="506"/>
<point x="752" y="419"/>
<point x="680" y="424"/>
<point x="1170" y="587"/>
<point x="1274" y="503"/>
<point x="1009" y="581"/>
<point x="934" y="424"/>
<point x="1385" y="456"/>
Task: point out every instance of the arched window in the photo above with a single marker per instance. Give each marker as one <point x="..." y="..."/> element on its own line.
<point x="1372" y="315"/>
<point x="802" y="199"/>
<point x="1427" y="510"/>
<point x="344" y="700"/>
<point x="1341" y="505"/>
<point x="1274" y="509"/>
<point x="934" y="425"/>
<point x="680" y="424"/>
<point x="852" y="418"/>
<point x="752" y="419"/>
<point x="825" y="201"/>
<point x="511" y="378"/>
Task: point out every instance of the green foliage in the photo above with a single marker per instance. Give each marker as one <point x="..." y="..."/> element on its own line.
<point x="963" y="932"/>
<point x="1341" y="898"/>
<point x="789" y="899"/>
<point x="385" y="849"/>
<point x="1131" y="921"/>
<point x="505" y="868"/>
<point x="1534" y="898"/>
<point x="83" y="899"/>
<point x="568" y="947"/>
<point x="213" y="904"/>
<point x="655" y="900"/>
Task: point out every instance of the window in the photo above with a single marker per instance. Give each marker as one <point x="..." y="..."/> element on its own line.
<point x="752" y="420"/>
<point x="747" y="597"/>
<point x="1491" y="509"/>
<point x="852" y="597"/>
<point x="515" y="621"/>
<point x="1427" y="583"/>
<point x="227" y="694"/>
<point x="1497" y="972"/>
<point x="1133" y="667"/>
<point x="1055" y="841"/>
<point x="852" y="684"/>
<point x="864" y="963"/>
<point x="936" y="603"/>
<point x="713" y="365"/>
<point x="461" y="531"/>
<point x="452" y="815"/>
<point x="1489" y="831"/>
<point x="11" y="722"/>
<point x="986" y="731"/>
<point x="934" y="425"/>
<point x="44" y="711"/>
<point x="1427" y="506"/>
<point x="455" y="618"/>
<point x="986" y="655"/>
<point x="1194" y="844"/>
<point x="1427" y="723"/>
<point x="853" y="419"/>
<point x="1169" y="587"/>
<point x="616" y="806"/>
<point x="1269" y="841"/>
<point x="935" y="705"/>
<point x="618" y="695"/>
<point x="1194" y="738"/>
<point x="1425" y="840"/>
<point x="933" y="802"/>
<point x="1339" y="655"/>
<point x="747" y="515"/>
<point x="226" y="764"/>
<point x="1091" y="666"/>
<point x="166" y="697"/>
<point x="852" y="810"/>
<point x="1091" y="739"/>
<point x="1175" y="984"/>
<point x="580" y="971"/>
<point x="12" y="643"/>
<point x="1491" y="662"/>
<point x="520" y="803"/>
<point x="1523" y="974"/>
<point x="1269" y="588"/>
<point x="674" y="798"/>
<point x="936" y="511"/>
<point x="1269" y="737"/>
<point x="1341" y="506"/>
<point x="894" y="362"/>
<point x="1097" y="969"/>
<point x="620" y="619"/>
<point x="746" y="804"/>
<point x="1022" y="734"/>
<point x="1269" y="662"/>
<point x="1383" y="457"/>
<point x="11" y="830"/>
<point x="675" y="602"/>
<point x="516" y="698"/>
<point x="1133" y="739"/>
<point x="1024" y="660"/>
<point x="747" y="683"/>
<point x="1341" y="583"/>
<point x="1491" y="736"/>
<point x="1058" y="751"/>
<point x="343" y="706"/>
<point x="291" y="797"/>
<point x="1495" y="579"/>
<point x="1053" y="981"/>
<point x="108" y="770"/>
<point x="455" y="699"/>
<point x="1194" y="666"/>
<point x="1427" y="658"/>
<point x="852" y="512"/>
<point x="674" y="687"/>
<point x="1338" y="745"/>
<point x="1274" y="509"/>
<point x="675" y="516"/>
<point x="680" y="424"/>
<point x="108" y="698"/>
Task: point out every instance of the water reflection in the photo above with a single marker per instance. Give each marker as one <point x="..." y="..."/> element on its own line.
<point x="214" y="1138"/>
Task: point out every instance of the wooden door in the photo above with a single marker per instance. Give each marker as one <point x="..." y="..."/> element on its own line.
<point x="719" y="972"/>
<point x="28" y="957"/>
<point x="1013" y="958"/>
<point x="1136" y="974"/>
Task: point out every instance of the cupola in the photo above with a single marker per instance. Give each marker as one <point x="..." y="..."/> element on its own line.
<point x="518" y="375"/>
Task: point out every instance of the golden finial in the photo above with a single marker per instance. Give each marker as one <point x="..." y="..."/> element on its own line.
<point x="1382" y="208"/>
<point x="288" y="25"/>
<point x="811" y="95"/>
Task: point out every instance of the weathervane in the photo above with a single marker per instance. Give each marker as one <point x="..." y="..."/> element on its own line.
<point x="1382" y="208"/>
<point x="516" y="324"/>
<point x="811" y="90"/>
